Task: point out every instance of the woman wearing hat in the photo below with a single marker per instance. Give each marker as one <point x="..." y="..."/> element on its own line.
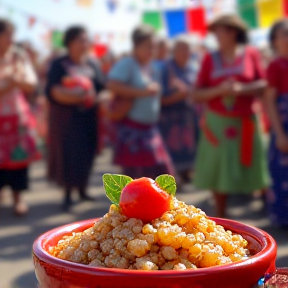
<point x="230" y="157"/>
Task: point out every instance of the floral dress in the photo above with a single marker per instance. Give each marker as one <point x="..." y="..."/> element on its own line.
<point x="18" y="137"/>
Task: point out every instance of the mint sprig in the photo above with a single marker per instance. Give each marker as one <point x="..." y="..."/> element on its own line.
<point x="113" y="185"/>
<point x="167" y="183"/>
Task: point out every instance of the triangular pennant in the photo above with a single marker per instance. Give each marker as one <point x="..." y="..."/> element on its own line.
<point x="153" y="18"/>
<point x="84" y="3"/>
<point x="176" y="22"/>
<point x="196" y="20"/>
<point x="248" y="12"/>
<point x="112" y="5"/>
<point x="31" y="21"/>
<point x="57" y="39"/>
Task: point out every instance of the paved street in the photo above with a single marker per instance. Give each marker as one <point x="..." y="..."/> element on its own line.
<point x="17" y="235"/>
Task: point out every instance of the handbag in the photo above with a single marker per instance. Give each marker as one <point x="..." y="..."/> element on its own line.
<point x="119" y="106"/>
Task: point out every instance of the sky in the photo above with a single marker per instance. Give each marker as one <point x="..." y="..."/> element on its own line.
<point x="59" y="14"/>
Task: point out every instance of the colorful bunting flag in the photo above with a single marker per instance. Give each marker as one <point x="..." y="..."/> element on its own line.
<point x="176" y="22"/>
<point x="57" y="39"/>
<point x="111" y="5"/>
<point x="196" y="20"/>
<point x="31" y="21"/>
<point x="153" y="18"/>
<point x="285" y="7"/>
<point x="269" y="12"/>
<point x="248" y="12"/>
<point x="84" y="3"/>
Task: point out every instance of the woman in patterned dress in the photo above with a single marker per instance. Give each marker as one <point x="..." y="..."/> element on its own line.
<point x="230" y="156"/>
<point x="277" y="107"/>
<point x="140" y="150"/>
<point x="17" y="126"/>
<point x="178" y="121"/>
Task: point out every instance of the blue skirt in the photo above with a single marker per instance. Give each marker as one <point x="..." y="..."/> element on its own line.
<point x="277" y="197"/>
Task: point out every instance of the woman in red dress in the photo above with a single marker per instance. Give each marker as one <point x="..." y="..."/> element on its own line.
<point x="230" y="156"/>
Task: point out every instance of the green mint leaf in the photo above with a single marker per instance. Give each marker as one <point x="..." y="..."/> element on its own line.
<point x="113" y="185"/>
<point x="167" y="183"/>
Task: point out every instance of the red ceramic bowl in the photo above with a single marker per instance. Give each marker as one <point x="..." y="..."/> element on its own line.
<point x="52" y="272"/>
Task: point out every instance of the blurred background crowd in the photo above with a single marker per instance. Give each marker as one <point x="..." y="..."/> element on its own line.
<point x="197" y="90"/>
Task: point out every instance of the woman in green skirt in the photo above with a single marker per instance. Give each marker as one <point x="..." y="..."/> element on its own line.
<point x="230" y="157"/>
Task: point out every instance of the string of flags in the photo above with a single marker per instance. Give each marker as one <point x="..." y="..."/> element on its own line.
<point x="178" y="21"/>
<point x="84" y="3"/>
<point x="262" y="13"/>
<point x="101" y="40"/>
<point x="256" y="13"/>
<point x="173" y="16"/>
<point x="191" y="14"/>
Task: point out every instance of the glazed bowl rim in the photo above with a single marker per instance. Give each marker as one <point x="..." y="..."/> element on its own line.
<point x="268" y="245"/>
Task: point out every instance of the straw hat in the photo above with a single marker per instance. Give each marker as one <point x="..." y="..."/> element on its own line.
<point x="230" y="20"/>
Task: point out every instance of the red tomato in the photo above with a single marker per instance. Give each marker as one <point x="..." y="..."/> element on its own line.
<point x="144" y="199"/>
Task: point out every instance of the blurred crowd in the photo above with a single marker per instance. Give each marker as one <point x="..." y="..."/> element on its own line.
<point x="167" y="107"/>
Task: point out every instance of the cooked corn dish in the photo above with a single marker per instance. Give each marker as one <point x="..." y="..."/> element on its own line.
<point x="182" y="238"/>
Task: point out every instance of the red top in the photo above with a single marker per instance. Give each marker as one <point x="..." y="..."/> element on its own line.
<point x="277" y="75"/>
<point x="246" y="68"/>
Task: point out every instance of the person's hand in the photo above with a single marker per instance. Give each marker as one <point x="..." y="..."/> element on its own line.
<point x="105" y="97"/>
<point x="282" y="143"/>
<point x="237" y="88"/>
<point x="153" y="89"/>
<point x="228" y="88"/>
<point x="225" y="88"/>
<point x="181" y="87"/>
